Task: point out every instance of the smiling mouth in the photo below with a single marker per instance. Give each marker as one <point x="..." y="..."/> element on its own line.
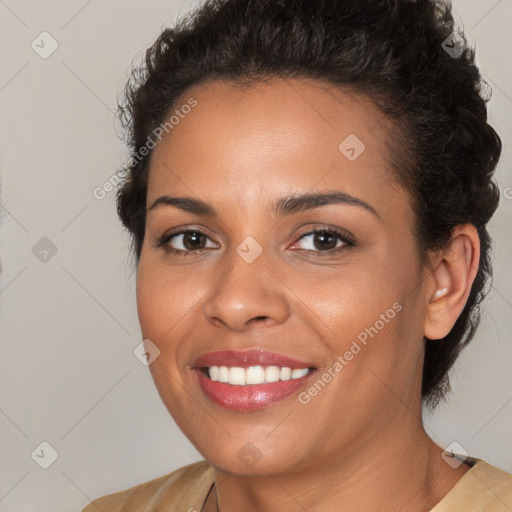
<point x="253" y="375"/>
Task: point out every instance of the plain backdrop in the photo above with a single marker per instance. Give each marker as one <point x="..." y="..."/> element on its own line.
<point x="68" y="321"/>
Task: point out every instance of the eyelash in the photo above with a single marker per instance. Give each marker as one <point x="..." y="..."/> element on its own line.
<point x="346" y="239"/>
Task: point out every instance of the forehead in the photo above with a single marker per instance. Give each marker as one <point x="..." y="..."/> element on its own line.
<point x="275" y="138"/>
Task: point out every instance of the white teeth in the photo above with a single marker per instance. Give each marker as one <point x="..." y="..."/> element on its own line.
<point x="272" y="374"/>
<point x="237" y="376"/>
<point x="254" y="375"/>
<point x="297" y="374"/>
<point x="214" y="373"/>
<point x="286" y="373"/>
<point x="223" y="374"/>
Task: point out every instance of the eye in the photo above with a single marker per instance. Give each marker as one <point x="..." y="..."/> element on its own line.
<point x="326" y="240"/>
<point x="191" y="242"/>
<point x="186" y="242"/>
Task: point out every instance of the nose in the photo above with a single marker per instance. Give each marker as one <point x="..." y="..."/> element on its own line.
<point x="246" y="295"/>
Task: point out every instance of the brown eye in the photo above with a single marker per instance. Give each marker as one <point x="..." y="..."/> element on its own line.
<point x="185" y="242"/>
<point x="325" y="240"/>
<point x="193" y="240"/>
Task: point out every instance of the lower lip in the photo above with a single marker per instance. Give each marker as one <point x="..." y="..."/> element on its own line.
<point x="251" y="397"/>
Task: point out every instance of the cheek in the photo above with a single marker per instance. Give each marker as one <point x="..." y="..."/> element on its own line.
<point x="372" y="303"/>
<point x="347" y="299"/>
<point x="157" y="308"/>
<point x="168" y="304"/>
<point x="160" y="297"/>
<point x="148" y="300"/>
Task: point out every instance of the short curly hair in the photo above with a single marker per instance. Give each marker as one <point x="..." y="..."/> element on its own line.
<point x="397" y="53"/>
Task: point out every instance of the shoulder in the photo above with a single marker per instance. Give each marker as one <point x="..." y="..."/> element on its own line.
<point x="484" y="488"/>
<point x="496" y="484"/>
<point x="184" y="489"/>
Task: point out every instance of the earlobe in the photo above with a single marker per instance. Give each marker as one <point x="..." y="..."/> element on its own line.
<point x="451" y="278"/>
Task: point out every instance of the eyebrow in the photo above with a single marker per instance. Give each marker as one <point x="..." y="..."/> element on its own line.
<point x="284" y="206"/>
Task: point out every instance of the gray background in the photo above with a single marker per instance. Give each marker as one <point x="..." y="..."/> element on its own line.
<point x="68" y="322"/>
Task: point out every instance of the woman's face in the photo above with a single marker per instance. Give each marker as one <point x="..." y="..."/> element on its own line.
<point x="257" y="277"/>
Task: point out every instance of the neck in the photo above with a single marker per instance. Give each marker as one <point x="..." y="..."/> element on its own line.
<point x="402" y="472"/>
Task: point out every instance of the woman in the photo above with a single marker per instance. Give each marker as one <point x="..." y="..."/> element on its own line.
<point x="308" y="195"/>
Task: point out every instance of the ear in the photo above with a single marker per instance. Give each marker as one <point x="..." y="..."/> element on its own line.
<point x="449" y="283"/>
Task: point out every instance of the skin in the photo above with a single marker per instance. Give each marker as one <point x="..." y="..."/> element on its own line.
<point x="359" y="444"/>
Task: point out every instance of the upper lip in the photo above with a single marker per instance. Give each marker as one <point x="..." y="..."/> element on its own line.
<point x="248" y="358"/>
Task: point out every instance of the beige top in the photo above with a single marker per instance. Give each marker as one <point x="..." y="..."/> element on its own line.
<point x="484" y="488"/>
